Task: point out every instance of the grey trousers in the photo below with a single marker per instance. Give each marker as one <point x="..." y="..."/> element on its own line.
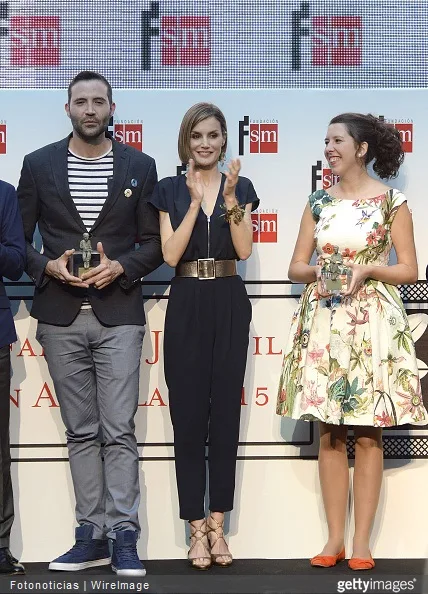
<point x="95" y="371"/>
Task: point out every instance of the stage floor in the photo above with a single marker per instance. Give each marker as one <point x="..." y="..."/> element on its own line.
<point x="258" y="576"/>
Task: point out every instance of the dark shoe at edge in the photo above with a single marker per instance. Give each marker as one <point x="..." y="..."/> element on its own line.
<point x="8" y="564"/>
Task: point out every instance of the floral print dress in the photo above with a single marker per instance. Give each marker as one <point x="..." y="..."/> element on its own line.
<point x="352" y="361"/>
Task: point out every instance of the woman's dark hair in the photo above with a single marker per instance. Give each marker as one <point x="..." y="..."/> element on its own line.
<point x="384" y="142"/>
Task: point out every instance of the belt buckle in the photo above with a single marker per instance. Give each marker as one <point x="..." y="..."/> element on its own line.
<point x="206" y="268"/>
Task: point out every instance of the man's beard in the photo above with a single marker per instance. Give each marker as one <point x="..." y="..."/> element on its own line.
<point x="93" y="136"/>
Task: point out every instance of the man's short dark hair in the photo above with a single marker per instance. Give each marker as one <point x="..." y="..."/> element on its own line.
<point x="90" y="75"/>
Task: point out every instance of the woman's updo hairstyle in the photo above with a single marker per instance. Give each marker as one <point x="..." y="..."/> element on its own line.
<point x="383" y="140"/>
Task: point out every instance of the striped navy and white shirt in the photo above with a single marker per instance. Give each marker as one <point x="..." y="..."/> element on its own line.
<point x="87" y="179"/>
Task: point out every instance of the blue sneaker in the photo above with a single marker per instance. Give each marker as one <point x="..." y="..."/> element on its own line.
<point x="87" y="552"/>
<point x="124" y="560"/>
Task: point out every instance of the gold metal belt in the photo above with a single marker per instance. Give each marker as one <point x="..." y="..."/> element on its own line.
<point x="206" y="268"/>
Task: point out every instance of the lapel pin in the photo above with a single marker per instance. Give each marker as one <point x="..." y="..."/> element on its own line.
<point x="128" y="193"/>
<point x="134" y="183"/>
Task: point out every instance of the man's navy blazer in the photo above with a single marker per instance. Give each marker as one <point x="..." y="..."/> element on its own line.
<point x="12" y="256"/>
<point x="126" y="218"/>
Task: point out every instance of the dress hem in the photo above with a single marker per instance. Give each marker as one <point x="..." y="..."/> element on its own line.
<point x="318" y="419"/>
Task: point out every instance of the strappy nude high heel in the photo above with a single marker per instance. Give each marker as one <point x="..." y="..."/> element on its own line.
<point x="203" y="539"/>
<point x="219" y="535"/>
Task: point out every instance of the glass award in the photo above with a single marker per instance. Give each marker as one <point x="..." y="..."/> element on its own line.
<point x="83" y="260"/>
<point x="335" y="275"/>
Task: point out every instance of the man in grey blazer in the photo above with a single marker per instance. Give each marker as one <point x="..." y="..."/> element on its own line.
<point x="91" y="326"/>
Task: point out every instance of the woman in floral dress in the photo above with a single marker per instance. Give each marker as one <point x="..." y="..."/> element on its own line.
<point x="350" y="360"/>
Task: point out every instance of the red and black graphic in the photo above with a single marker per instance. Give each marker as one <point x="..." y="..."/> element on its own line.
<point x="34" y="40"/>
<point x="128" y="132"/>
<point x="334" y="40"/>
<point x="265" y="227"/>
<point x="405" y="128"/>
<point x="262" y="135"/>
<point x="185" y="40"/>
<point x="322" y="177"/>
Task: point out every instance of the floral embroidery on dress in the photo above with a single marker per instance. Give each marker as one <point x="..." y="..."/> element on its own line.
<point x="352" y="362"/>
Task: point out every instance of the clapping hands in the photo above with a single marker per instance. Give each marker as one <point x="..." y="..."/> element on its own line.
<point x="194" y="183"/>
<point x="234" y="167"/>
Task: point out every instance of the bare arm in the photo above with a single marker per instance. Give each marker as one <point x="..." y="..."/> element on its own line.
<point x="299" y="270"/>
<point x="406" y="269"/>
<point x="174" y="243"/>
<point x="242" y="233"/>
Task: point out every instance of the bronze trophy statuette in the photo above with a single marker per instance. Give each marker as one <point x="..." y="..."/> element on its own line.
<point x="335" y="275"/>
<point x="84" y="259"/>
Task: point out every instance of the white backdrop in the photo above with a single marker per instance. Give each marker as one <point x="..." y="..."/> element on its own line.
<point x="278" y="499"/>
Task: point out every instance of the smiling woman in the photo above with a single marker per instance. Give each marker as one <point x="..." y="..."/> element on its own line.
<point x="355" y="137"/>
<point x="346" y="364"/>
<point x="203" y="123"/>
<point x="207" y="143"/>
<point x="205" y="227"/>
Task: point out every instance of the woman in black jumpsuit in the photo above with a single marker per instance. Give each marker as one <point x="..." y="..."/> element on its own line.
<point x="205" y="220"/>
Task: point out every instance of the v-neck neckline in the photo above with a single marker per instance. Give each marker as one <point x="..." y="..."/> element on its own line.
<point x="216" y="203"/>
<point x="208" y="216"/>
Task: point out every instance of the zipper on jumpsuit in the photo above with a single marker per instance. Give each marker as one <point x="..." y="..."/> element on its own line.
<point x="208" y="255"/>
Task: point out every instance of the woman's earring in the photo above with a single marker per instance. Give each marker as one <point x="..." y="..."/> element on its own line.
<point x="222" y="158"/>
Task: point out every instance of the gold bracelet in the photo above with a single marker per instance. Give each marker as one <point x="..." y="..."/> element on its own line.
<point x="236" y="213"/>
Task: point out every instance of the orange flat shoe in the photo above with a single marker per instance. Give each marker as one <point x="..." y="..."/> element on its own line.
<point x="327" y="560"/>
<point x="357" y="564"/>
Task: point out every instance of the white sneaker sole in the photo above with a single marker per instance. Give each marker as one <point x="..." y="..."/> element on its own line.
<point x="131" y="572"/>
<point x="78" y="566"/>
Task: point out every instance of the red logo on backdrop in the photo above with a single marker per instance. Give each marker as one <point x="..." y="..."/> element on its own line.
<point x="263" y="135"/>
<point x="185" y="41"/>
<point x="35" y="41"/>
<point x="2" y="139"/>
<point x="336" y="41"/>
<point x="263" y="138"/>
<point x="130" y="133"/>
<point x="265" y="227"/>
<point x="322" y="177"/>
<point x="405" y="129"/>
<point x="406" y="134"/>
<point x="328" y="178"/>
